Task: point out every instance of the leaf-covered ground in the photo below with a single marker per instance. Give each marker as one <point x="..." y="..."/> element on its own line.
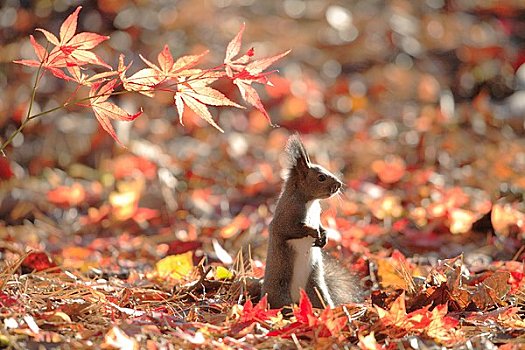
<point x="417" y="106"/>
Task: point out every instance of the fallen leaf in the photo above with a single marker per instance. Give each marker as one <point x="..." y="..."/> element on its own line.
<point x="492" y="290"/>
<point x="386" y="207"/>
<point x="461" y="220"/>
<point x="67" y="196"/>
<point x="116" y="338"/>
<point x="176" y="266"/>
<point x="222" y="273"/>
<point x="127" y="165"/>
<point x="368" y="342"/>
<point x="389" y="275"/>
<point x="221" y="253"/>
<point x="6" y="300"/>
<point x="37" y="261"/>
<point x="390" y="170"/>
<point x="257" y="313"/>
<point x="506" y="216"/>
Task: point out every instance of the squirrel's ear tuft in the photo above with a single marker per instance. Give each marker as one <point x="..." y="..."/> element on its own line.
<point x="297" y="155"/>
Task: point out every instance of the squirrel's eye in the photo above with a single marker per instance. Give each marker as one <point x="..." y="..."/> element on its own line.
<point x="321" y="177"/>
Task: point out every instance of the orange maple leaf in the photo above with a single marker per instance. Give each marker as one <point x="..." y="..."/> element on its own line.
<point x="104" y="110"/>
<point x="67" y="196"/>
<point x="146" y="80"/>
<point x="169" y="68"/>
<point x="73" y="49"/>
<point x="84" y="79"/>
<point x="396" y="316"/>
<point x="435" y="324"/>
<point x="70" y="50"/>
<point x="332" y="325"/>
<point x="195" y="93"/>
<point x="244" y="73"/>
<point x="44" y="60"/>
<point x="232" y="50"/>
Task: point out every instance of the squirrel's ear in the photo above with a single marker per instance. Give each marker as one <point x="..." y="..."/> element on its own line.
<point x="297" y="155"/>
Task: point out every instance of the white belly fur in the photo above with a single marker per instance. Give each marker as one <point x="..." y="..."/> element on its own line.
<point x="302" y="266"/>
<point x="307" y="256"/>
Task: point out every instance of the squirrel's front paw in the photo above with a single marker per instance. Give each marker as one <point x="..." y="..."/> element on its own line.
<point x="310" y="231"/>
<point x="321" y="240"/>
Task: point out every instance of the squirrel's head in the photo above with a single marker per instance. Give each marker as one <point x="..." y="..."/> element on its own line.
<point x="312" y="180"/>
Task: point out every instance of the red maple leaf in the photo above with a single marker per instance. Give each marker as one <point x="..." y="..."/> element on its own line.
<point x="6" y="300"/>
<point x="37" y="261"/>
<point x="257" y="313"/>
<point x="305" y="312"/>
<point x="250" y="95"/>
<point x="327" y="323"/>
<point x="304" y="316"/>
<point x="169" y="68"/>
<point x="104" y="110"/>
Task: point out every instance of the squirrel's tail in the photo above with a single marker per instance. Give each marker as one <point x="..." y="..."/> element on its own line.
<point x="343" y="286"/>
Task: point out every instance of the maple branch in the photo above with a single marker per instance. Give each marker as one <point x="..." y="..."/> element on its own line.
<point x="39" y="74"/>
<point x="72" y="51"/>
<point x="12" y="136"/>
<point x="33" y="92"/>
<point x="29" y="117"/>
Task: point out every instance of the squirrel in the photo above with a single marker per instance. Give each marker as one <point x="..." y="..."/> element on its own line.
<point x="294" y="259"/>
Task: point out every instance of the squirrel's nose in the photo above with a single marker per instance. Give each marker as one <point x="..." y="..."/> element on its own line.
<point x="335" y="187"/>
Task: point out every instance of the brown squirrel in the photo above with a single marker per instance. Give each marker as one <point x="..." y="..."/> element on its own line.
<point x="294" y="260"/>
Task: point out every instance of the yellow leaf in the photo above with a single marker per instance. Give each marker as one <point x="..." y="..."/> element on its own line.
<point x="368" y="342"/>
<point x="389" y="275"/>
<point x="116" y="338"/>
<point x="461" y="220"/>
<point x="4" y="341"/>
<point x="176" y="266"/>
<point x="223" y="273"/>
<point x="60" y="317"/>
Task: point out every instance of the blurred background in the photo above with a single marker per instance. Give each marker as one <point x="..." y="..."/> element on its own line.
<point x="418" y="105"/>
